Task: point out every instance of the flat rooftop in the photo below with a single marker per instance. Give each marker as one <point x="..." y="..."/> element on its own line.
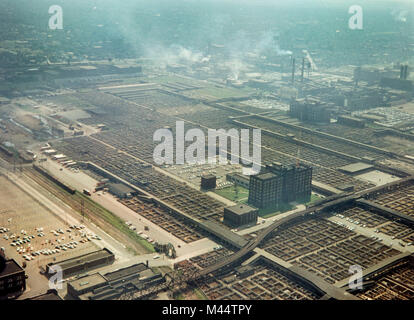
<point x="11" y="267"/>
<point x="355" y="167"/>
<point x="89" y="257"/>
<point x="208" y="176"/>
<point x="266" y="176"/>
<point x="225" y="234"/>
<point x="120" y="188"/>
<point x="121" y="273"/>
<point x="241" y="209"/>
<point x="90" y="281"/>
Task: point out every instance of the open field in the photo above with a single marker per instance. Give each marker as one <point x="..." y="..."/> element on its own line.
<point x="234" y="193"/>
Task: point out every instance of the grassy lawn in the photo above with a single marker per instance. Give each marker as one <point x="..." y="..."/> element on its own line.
<point x="269" y="212"/>
<point x="242" y="195"/>
<point x="234" y="193"/>
<point x="115" y="221"/>
<point x="313" y="199"/>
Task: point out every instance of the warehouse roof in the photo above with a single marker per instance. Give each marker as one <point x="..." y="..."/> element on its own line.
<point x="224" y="233"/>
<point x="11" y="267"/>
<point x="120" y="188"/>
<point x="136" y="268"/>
<point x="89" y="257"/>
<point x="90" y="281"/>
<point x="356" y="167"/>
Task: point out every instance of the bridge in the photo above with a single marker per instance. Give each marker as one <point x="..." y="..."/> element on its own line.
<point x="330" y="290"/>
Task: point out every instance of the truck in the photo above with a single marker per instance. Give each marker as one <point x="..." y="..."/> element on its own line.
<point x="87" y="192"/>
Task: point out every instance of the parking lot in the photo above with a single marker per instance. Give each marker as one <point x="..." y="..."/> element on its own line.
<point x="33" y="236"/>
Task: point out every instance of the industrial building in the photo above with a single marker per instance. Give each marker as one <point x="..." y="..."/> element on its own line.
<point x="85" y="284"/>
<point x="12" y="279"/>
<point x="351" y="121"/>
<point x="373" y="74"/>
<point x="399" y="84"/>
<point x="240" y="215"/>
<point x="238" y="179"/>
<point x="356" y="168"/>
<point x="280" y="184"/>
<point x="265" y="190"/>
<point x="113" y="285"/>
<point x="297" y="180"/>
<point x="121" y="190"/>
<point x="311" y="110"/>
<point x="208" y="182"/>
<point x="83" y="263"/>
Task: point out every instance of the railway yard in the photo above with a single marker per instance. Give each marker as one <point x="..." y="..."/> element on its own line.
<point x="362" y="216"/>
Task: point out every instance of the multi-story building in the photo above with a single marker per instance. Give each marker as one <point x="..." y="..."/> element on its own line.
<point x="239" y="179"/>
<point x="265" y="190"/>
<point x="310" y="110"/>
<point x="240" y="215"/>
<point x="280" y="184"/>
<point x="208" y="182"/>
<point x="12" y="279"/>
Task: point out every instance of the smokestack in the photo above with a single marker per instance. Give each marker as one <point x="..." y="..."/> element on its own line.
<point x="303" y="69"/>
<point x="406" y="72"/>
<point x="293" y="70"/>
<point x="402" y="72"/>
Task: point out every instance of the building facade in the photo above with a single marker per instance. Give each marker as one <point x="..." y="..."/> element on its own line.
<point x="208" y="182"/>
<point x="280" y="184"/>
<point x="265" y="190"/>
<point x="310" y="110"/>
<point x="240" y="215"/>
<point x="12" y="279"/>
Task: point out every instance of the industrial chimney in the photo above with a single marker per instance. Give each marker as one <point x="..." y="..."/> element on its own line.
<point x="406" y="72"/>
<point x="303" y="69"/>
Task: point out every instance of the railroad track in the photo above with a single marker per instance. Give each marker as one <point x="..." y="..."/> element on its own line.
<point x="75" y="203"/>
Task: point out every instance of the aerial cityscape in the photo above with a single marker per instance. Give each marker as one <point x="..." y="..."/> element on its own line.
<point x="206" y="150"/>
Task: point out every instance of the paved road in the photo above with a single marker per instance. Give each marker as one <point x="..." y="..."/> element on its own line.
<point x="81" y="181"/>
<point x="37" y="283"/>
<point x="370" y="232"/>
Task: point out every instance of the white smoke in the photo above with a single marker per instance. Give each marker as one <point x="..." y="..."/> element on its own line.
<point x="236" y="67"/>
<point x="174" y="55"/>
<point x="268" y="43"/>
<point x="399" y="15"/>
<point x="281" y="52"/>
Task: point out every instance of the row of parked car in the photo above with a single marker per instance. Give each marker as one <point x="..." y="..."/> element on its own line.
<point x="4" y="230"/>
